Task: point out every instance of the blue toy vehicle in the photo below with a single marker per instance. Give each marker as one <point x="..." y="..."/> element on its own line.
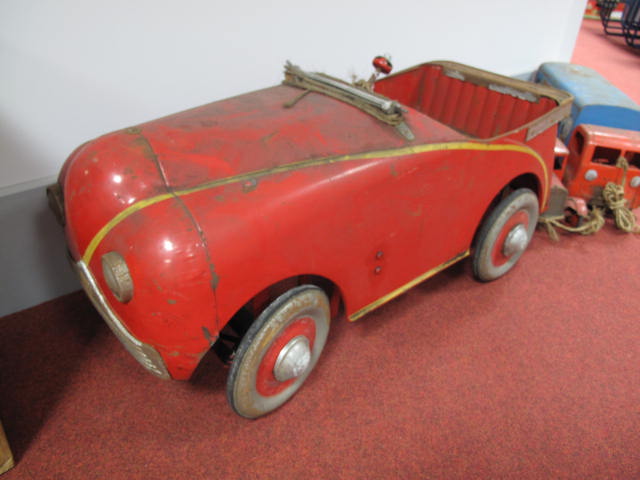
<point x="597" y="101"/>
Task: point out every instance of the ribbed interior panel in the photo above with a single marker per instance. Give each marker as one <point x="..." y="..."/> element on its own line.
<point x="473" y="109"/>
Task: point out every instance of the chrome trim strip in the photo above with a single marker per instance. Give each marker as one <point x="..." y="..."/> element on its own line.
<point x="104" y="306"/>
<point x="398" y="291"/>
<point x="145" y="354"/>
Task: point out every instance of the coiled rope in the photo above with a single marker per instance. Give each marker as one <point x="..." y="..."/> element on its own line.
<point x="591" y="225"/>
<point x="613" y="196"/>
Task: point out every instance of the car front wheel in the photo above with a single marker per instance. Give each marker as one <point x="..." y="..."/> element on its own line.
<point x="279" y="351"/>
<point x="505" y="235"/>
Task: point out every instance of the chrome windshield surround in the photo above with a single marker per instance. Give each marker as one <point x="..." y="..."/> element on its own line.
<point x="384" y="109"/>
<point x="145" y="354"/>
<point x="384" y="104"/>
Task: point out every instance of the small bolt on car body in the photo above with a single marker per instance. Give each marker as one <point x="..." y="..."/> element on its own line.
<point x="249" y="223"/>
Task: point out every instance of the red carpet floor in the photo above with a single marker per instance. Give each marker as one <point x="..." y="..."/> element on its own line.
<point x="534" y="376"/>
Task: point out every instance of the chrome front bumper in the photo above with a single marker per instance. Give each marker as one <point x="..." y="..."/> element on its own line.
<point x="148" y="356"/>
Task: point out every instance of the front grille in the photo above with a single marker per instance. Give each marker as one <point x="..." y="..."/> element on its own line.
<point x="145" y="354"/>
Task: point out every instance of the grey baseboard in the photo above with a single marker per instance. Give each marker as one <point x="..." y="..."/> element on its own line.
<point x="33" y="264"/>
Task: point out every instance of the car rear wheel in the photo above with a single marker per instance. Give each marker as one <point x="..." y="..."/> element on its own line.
<point x="279" y="351"/>
<point x="505" y="235"/>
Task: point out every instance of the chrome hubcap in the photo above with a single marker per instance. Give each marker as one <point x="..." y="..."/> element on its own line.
<point x="516" y="241"/>
<point x="293" y="359"/>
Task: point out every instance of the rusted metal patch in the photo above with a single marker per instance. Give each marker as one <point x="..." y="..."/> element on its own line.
<point x="149" y="153"/>
<point x="514" y="92"/>
<point x="133" y="131"/>
<point x="548" y="120"/>
<point x="486" y="79"/>
<point x="207" y="335"/>
<point x="249" y="185"/>
<point x="454" y="74"/>
<point x="215" y="279"/>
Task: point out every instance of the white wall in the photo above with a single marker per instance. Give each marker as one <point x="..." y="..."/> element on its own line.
<point x="71" y="70"/>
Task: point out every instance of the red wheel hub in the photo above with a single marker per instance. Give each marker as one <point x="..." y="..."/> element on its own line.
<point x="519" y="218"/>
<point x="266" y="383"/>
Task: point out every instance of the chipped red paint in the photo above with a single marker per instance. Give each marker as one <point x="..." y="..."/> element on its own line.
<point x="211" y="206"/>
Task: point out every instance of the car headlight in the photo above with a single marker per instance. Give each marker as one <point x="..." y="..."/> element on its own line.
<point x="116" y="274"/>
<point x="590" y="175"/>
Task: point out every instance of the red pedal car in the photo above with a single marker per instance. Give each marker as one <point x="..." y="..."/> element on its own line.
<point x="249" y="223"/>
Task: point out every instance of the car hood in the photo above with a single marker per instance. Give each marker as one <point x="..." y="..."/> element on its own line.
<point x="115" y="175"/>
<point x="261" y="130"/>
